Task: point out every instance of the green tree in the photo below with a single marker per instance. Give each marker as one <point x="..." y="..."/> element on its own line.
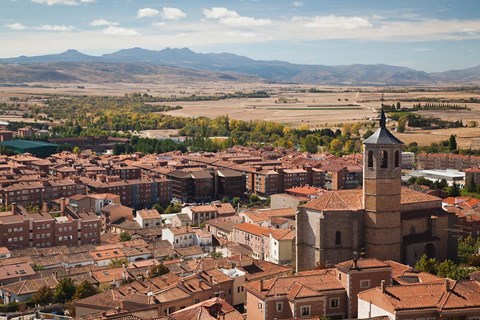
<point x="448" y="269"/>
<point x="158" y="270"/>
<point x="454" y="190"/>
<point x="452" y="143"/>
<point x="254" y="198"/>
<point x="235" y="201"/>
<point x="336" y="145"/>
<point x="76" y="150"/>
<point x="43" y="296"/>
<point x="64" y="290"/>
<point x="310" y="144"/>
<point x="471" y="186"/>
<point x="125" y="236"/>
<point x="85" y="289"/>
<point x="427" y="264"/>
<point x="349" y="145"/>
<point x="216" y="255"/>
<point x="116" y="263"/>
<point x="402" y="123"/>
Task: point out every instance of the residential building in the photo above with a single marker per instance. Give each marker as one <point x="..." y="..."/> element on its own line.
<point x="179" y="237"/>
<point x="148" y="218"/>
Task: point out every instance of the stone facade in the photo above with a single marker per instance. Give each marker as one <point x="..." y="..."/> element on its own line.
<point x="382" y="220"/>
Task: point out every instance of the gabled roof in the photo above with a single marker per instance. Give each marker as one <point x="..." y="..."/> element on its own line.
<point x="439" y="296"/>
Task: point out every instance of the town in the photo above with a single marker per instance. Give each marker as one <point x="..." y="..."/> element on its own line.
<point x="239" y="160"/>
<point x="270" y="233"/>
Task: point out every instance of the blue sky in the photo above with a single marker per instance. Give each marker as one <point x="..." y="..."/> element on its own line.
<point x="429" y="35"/>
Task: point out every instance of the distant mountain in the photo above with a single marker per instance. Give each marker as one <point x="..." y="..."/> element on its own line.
<point x="67" y="56"/>
<point x="276" y="71"/>
<point x="106" y="72"/>
<point x="458" y="76"/>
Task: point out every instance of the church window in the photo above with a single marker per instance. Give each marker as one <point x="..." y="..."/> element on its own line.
<point x="338" y="238"/>
<point x="384" y="159"/>
<point x="370" y="159"/>
<point x="397" y="159"/>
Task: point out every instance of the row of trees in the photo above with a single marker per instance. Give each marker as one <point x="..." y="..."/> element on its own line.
<point x="445" y="269"/>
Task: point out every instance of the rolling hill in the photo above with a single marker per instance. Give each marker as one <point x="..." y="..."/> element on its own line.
<point x="141" y="65"/>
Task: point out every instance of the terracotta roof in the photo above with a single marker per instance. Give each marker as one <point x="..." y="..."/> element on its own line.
<point x="460" y="295"/>
<point x="361" y="264"/>
<point x="303" y="285"/>
<point x="29" y="286"/>
<point x="352" y="200"/>
<point x="403" y="274"/>
<point x="211" y="309"/>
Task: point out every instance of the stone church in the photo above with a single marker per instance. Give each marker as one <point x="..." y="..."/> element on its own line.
<point x="383" y="220"/>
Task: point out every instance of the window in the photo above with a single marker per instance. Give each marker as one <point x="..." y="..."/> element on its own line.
<point x="334" y="303"/>
<point x="384" y="164"/>
<point x="338" y="238"/>
<point x="364" y="284"/>
<point x="412" y="230"/>
<point x="305" y="311"/>
<point x="279" y="306"/>
<point x="370" y="159"/>
<point x="397" y="159"/>
<point x="260" y="305"/>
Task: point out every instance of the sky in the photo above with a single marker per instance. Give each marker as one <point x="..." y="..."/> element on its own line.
<point x="428" y="35"/>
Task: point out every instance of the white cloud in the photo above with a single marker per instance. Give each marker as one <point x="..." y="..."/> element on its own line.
<point x="172" y="13"/>
<point x="159" y="24"/>
<point x="232" y="18"/>
<point x="63" y="2"/>
<point x="297" y="4"/>
<point x="118" y="31"/>
<point x="147" y="12"/>
<point x="423" y="49"/>
<point x="15" y="26"/>
<point x="49" y="27"/>
<point x="241" y="34"/>
<point x="103" y="22"/>
<point x="334" y="22"/>
<point x="54" y="2"/>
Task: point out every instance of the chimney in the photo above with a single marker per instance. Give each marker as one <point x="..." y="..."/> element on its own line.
<point x="14" y="207"/>
<point x="261" y="285"/>
<point x="382" y="286"/>
<point x="210" y="277"/>
<point x="355" y="264"/>
<point x="44" y="207"/>
<point x="447" y="285"/>
<point x="62" y="206"/>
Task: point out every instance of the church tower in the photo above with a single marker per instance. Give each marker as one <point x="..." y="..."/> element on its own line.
<point x="381" y="194"/>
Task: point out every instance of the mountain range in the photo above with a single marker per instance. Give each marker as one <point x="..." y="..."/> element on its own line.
<point x="142" y="65"/>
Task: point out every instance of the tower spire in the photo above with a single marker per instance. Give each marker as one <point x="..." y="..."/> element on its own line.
<point x="383" y="120"/>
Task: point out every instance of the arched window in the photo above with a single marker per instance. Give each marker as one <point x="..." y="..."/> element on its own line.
<point x="338" y="238"/>
<point x="384" y="159"/>
<point x="397" y="159"/>
<point x="370" y="159"/>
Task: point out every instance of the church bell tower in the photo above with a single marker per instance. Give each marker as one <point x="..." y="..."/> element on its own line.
<point x="381" y="194"/>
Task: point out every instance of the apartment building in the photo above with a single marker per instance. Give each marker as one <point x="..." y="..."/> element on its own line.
<point x="444" y="161"/>
<point x="37" y="192"/>
<point x="133" y="193"/>
<point x="21" y="229"/>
